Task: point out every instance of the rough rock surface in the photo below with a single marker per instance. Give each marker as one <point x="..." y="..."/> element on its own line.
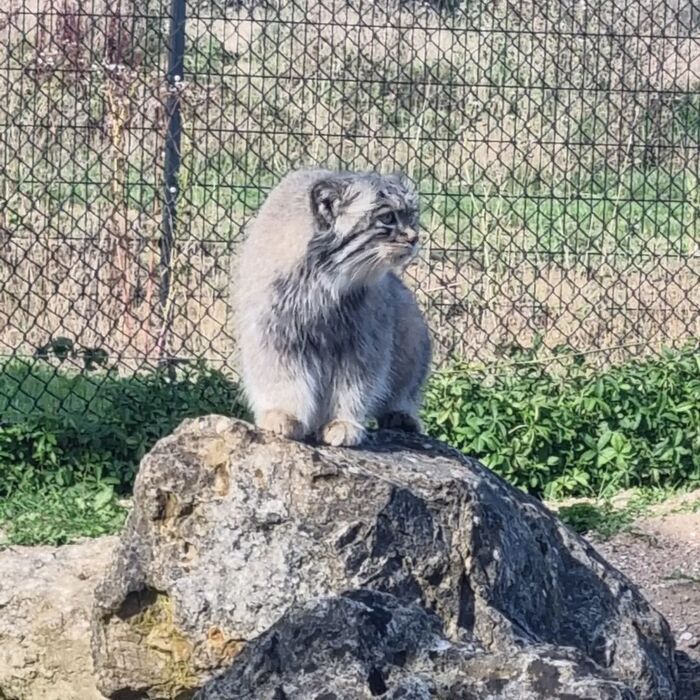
<point x="46" y="596"/>
<point x="366" y="644"/>
<point x="232" y="527"/>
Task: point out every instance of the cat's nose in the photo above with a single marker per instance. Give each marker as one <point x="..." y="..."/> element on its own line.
<point x="409" y="235"/>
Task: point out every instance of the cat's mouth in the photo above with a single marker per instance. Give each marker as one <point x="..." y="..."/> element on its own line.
<point x="403" y="254"/>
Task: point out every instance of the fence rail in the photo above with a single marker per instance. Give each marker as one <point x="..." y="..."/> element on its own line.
<point x="555" y="144"/>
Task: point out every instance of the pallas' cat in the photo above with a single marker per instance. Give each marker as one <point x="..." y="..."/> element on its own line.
<point x="328" y="334"/>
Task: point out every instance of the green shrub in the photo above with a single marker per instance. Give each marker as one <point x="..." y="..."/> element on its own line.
<point x="70" y="442"/>
<point x="51" y="441"/>
<point x="580" y="432"/>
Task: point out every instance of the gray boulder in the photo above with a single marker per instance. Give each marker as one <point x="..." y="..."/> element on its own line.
<point x="232" y="528"/>
<point x="366" y="644"/>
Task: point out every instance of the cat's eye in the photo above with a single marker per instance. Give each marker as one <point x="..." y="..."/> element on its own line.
<point x="388" y="219"/>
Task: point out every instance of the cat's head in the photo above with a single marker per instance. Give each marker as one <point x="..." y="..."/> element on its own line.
<point x="366" y="223"/>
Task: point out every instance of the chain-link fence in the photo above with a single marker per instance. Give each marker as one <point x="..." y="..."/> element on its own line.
<point x="555" y="145"/>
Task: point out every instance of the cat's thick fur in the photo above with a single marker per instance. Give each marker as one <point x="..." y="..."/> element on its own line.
<point x="328" y="334"/>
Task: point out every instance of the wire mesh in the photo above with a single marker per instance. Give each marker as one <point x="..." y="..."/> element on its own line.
<point x="555" y="144"/>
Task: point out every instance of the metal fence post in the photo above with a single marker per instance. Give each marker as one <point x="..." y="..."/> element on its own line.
<point x="175" y="76"/>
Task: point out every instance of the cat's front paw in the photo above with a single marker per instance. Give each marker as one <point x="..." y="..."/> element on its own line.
<point x="398" y="420"/>
<point x="281" y="423"/>
<point x="342" y="433"/>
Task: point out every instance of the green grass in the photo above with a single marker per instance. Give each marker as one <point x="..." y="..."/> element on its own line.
<point x="59" y="516"/>
<point x="610" y="212"/>
<point x="690" y="507"/>
<point x="604" y="518"/>
<point x="71" y="442"/>
<point x="636" y="212"/>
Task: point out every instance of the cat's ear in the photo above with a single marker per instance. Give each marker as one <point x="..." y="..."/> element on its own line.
<point x="326" y="199"/>
<point x="404" y="182"/>
<point x="409" y="191"/>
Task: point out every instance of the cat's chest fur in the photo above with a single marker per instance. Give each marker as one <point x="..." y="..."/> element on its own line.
<point x="307" y="323"/>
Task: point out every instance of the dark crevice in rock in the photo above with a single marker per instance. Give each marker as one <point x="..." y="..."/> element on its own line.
<point x="349" y="536"/>
<point x="185" y="695"/>
<point x="137" y="602"/>
<point x="128" y="694"/>
<point x="377" y="686"/>
<point x="465" y="618"/>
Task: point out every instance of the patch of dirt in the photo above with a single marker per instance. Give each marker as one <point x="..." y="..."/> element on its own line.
<point x="660" y="553"/>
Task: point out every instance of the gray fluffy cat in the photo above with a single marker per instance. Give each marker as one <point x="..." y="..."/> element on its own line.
<point x="328" y="335"/>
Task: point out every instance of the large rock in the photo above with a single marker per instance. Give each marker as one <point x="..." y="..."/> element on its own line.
<point x="231" y="528"/>
<point x="46" y="598"/>
<point x="365" y="644"/>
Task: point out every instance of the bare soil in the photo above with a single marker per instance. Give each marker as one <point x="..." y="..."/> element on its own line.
<point x="661" y="554"/>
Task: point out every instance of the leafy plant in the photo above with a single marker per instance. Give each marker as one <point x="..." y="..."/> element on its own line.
<point x="63" y="348"/>
<point x="50" y="445"/>
<point x="58" y="516"/>
<point x="582" y="431"/>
